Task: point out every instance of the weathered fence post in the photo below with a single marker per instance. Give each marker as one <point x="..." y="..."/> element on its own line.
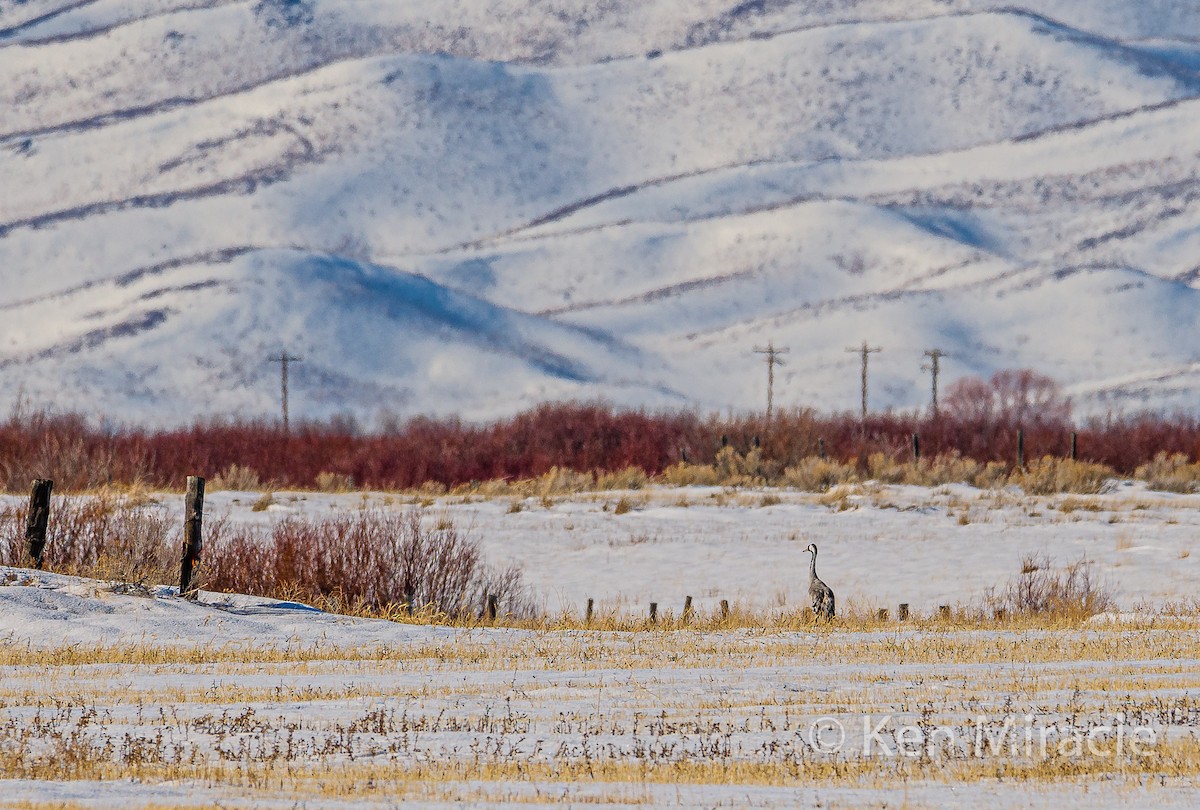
<point x="38" y="519"/>
<point x="944" y="611"/>
<point x="587" y="618"/>
<point x="193" y="542"/>
<point x="724" y="610"/>
<point x="881" y="615"/>
<point x="1074" y="446"/>
<point x="493" y="607"/>
<point x="654" y="613"/>
<point x="902" y="612"/>
<point x="1020" y="449"/>
<point x="916" y="447"/>
<point x="687" y="609"/>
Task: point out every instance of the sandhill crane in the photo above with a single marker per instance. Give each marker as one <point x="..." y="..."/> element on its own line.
<point x="820" y="593"/>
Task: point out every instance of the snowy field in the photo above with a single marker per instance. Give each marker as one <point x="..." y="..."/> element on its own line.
<point x="114" y="699"/>
<point x="879" y="545"/>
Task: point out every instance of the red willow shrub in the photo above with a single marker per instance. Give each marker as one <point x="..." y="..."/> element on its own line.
<point x="97" y="537"/>
<point x="583" y="437"/>
<point x="371" y="558"/>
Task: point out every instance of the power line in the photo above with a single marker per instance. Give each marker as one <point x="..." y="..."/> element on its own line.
<point x="773" y="360"/>
<point x="865" y="350"/>
<point x="283" y="359"/>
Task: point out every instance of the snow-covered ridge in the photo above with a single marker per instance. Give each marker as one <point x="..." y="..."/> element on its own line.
<point x="634" y="195"/>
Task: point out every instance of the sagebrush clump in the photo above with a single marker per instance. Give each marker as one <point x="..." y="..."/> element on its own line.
<point x="1170" y="473"/>
<point x="1042" y="589"/>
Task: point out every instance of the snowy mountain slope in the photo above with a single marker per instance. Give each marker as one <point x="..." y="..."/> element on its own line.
<point x="219" y="321"/>
<point x="215" y="180"/>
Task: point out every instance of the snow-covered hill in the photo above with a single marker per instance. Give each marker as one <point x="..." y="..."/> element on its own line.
<point x="466" y="207"/>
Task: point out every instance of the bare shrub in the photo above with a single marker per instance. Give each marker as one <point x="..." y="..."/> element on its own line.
<point x="369" y="557"/>
<point x="100" y="538"/>
<point x="1010" y="396"/>
<point x="1051" y="475"/>
<point x="1069" y="593"/>
<point x="1170" y="473"/>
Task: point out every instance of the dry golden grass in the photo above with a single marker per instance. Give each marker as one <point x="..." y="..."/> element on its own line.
<point x="426" y="720"/>
<point x="1044" y="476"/>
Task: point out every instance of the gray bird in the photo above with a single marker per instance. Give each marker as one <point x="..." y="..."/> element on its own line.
<point x="820" y="593"/>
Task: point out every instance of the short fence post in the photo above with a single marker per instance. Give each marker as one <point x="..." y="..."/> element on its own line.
<point x="902" y="612"/>
<point x="944" y="611"/>
<point x="654" y="613"/>
<point x="193" y="543"/>
<point x="724" y="610"/>
<point x="881" y="615"/>
<point x="687" y="609"/>
<point x="916" y="447"/>
<point x="493" y="607"/>
<point x="38" y="519"/>
<point x="1074" y="447"/>
<point x="1020" y="449"/>
<point x="587" y="617"/>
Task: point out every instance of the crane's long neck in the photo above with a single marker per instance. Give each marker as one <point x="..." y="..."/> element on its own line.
<point x="812" y="565"/>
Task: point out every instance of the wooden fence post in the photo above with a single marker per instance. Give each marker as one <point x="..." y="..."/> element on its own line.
<point x="944" y="611"/>
<point x="821" y="449"/>
<point x="38" y="519"/>
<point x="193" y="542"/>
<point x="493" y="607"/>
<point x="654" y="613"/>
<point x="724" y="610"/>
<point x="687" y="609"/>
<point x="902" y="612"/>
<point x="1020" y="449"/>
<point x="881" y="615"/>
<point x="916" y="447"/>
<point x="587" y="618"/>
<point x="1074" y="446"/>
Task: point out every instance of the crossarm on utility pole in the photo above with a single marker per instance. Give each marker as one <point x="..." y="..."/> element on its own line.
<point x="773" y="360"/>
<point x="865" y="350"/>
<point x="283" y="359"/>
<point x="934" y="367"/>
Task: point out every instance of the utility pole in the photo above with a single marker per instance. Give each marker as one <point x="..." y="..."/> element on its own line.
<point x="283" y="359"/>
<point x="772" y="360"/>
<point x="865" y="350"/>
<point x="934" y="355"/>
